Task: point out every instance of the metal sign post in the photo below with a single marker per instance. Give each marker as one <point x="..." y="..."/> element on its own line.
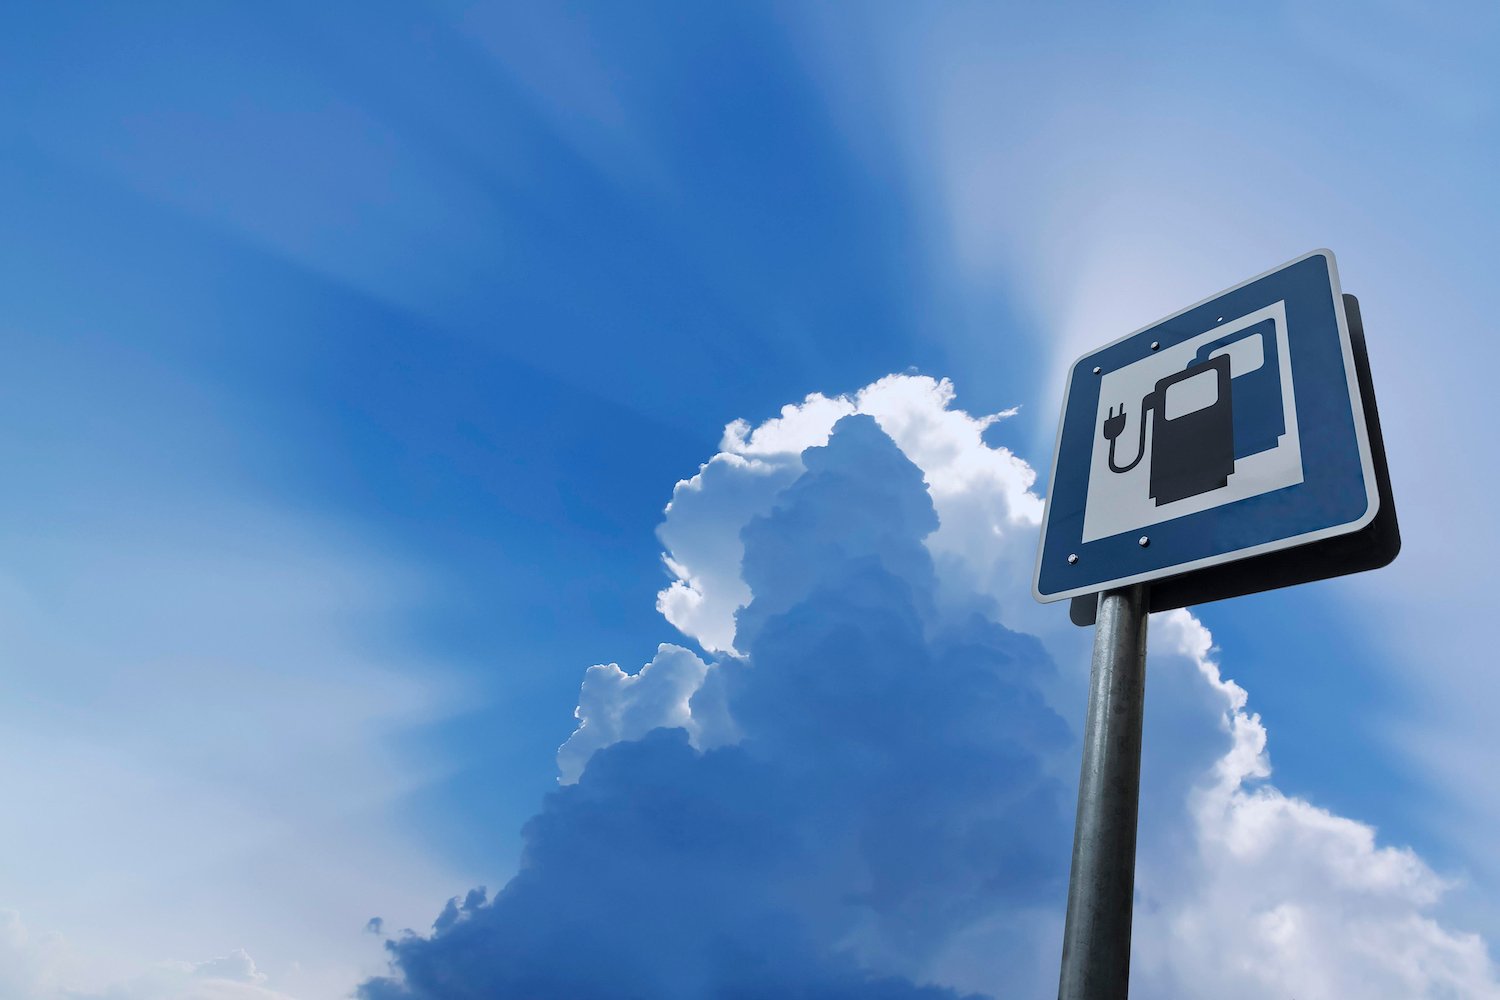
<point x="1096" y="936"/>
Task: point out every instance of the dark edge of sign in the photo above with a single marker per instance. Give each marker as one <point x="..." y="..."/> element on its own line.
<point x="1373" y="546"/>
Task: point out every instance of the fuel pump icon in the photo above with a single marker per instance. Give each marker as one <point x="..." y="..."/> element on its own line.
<point x="1192" y="431"/>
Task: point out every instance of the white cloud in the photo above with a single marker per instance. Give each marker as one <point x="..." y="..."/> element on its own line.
<point x="988" y="510"/>
<point x="799" y="427"/>
<point x="615" y="706"/>
<point x="732" y="487"/>
<point x="983" y="495"/>
<point x="1280" y="896"/>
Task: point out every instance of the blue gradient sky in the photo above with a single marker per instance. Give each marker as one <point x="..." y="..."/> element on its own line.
<point x="352" y="355"/>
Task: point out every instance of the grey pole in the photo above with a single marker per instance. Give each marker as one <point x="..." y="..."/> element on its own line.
<point x="1096" y="936"/>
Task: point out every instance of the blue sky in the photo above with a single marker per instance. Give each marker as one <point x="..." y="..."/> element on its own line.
<point x="353" y="355"/>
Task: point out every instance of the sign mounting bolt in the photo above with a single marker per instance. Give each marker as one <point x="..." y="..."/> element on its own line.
<point x="1072" y="558"/>
<point x="1145" y="541"/>
<point x="1155" y="344"/>
<point x="1097" y="369"/>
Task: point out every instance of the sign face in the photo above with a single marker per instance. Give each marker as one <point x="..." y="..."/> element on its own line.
<point x="1229" y="430"/>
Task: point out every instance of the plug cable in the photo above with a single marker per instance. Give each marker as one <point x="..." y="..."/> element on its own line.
<point x="1114" y="426"/>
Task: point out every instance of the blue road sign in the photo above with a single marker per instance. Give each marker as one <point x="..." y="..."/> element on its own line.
<point x="1229" y="430"/>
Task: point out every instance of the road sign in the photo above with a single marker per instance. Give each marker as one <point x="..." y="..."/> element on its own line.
<point x="1230" y="431"/>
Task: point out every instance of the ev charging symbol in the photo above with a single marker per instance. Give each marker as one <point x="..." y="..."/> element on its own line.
<point x="1193" y="432"/>
<point x="1202" y="423"/>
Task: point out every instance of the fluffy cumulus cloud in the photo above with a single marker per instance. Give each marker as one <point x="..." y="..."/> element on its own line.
<point x="1280" y="897"/>
<point x="615" y="706"/>
<point x="982" y="495"/>
<point x="862" y="789"/>
<point x="889" y="790"/>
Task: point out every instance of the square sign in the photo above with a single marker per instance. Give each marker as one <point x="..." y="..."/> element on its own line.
<point x="1232" y="429"/>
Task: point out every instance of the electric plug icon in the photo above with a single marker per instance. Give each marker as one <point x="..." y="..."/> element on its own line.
<point x="1114" y="424"/>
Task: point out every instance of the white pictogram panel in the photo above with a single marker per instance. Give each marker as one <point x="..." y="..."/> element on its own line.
<point x="1238" y="420"/>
